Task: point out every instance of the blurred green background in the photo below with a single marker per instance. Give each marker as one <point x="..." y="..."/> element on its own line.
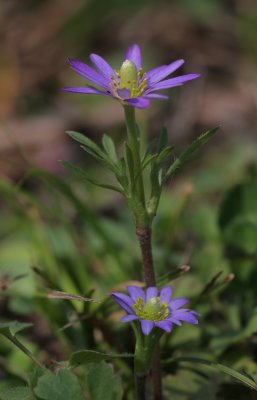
<point x="61" y="233"/>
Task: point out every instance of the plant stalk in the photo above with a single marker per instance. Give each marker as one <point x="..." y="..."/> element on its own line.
<point x="144" y="234"/>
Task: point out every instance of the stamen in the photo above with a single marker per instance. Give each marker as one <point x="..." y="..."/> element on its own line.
<point x="152" y="310"/>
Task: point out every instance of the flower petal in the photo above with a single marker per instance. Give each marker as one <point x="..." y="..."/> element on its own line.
<point x="174" y="321"/>
<point x="156" y="96"/>
<point x="146" y="326"/>
<point x="151" y="292"/>
<point x="128" y="318"/>
<point x="196" y="313"/>
<point x="159" y="73"/>
<point x="177" y="303"/>
<point x="186" y="316"/>
<point x="135" y="292"/>
<point x="138" y="102"/>
<point x="89" y="73"/>
<point x="165" y="294"/>
<point x="85" y="90"/>
<point x="166" y="325"/>
<point x="134" y="54"/>
<point x="103" y="66"/>
<point x="124" y="301"/>
<point x="168" y="83"/>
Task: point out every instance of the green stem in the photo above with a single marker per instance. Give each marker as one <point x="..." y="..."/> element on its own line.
<point x="134" y="145"/>
<point x="145" y="353"/>
<point x="17" y="343"/>
<point x="141" y="387"/>
<point x="142" y="365"/>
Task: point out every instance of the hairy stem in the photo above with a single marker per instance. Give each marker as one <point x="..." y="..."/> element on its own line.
<point x="144" y="235"/>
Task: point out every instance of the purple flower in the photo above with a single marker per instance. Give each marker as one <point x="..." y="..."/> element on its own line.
<point x="130" y="85"/>
<point x="153" y="309"/>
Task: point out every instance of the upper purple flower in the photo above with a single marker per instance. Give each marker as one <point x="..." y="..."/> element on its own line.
<point x="153" y="309"/>
<point x="130" y="85"/>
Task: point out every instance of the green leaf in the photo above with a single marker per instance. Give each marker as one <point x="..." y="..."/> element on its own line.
<point x="164" y="154"/>
<point x="16" y="393"/>
<point x="91" y="147"/>
<point x="244" y="379"/>
<point x="202" y="139"/>
<point x="13" y="327"/>
<point x="63" y="386"/>
<point x="79" y="171"/>
<point x="147" y="160"/>
<point x="34" y="375"/>
<point x="102" y="383"/>
<point x="92" y="356"/>
<point x="87" y="143"/>
<point x="109" y="147"/>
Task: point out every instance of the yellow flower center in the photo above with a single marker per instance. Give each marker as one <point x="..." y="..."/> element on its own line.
<point x="128" y="77"/>
<point x="152" y="310"/>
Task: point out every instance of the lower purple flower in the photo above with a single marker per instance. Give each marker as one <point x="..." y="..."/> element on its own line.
<point x="154" y="309"/>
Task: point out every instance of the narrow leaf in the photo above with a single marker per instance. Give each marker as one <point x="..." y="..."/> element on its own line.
<point x="164" y="154"/>
<point x="109" y="147"/>
<point x="94" y="150"/>
<point x="202" y="139"/>
<point x="79" y="171"/>
<point x="85" y="141"/>
<point x="244" y="379"/>
<point x="93" y="154"/>
<point x="148" y="159"/>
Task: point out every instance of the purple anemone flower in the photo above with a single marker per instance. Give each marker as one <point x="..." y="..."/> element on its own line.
<point x="130" y="85"/>
<point x="153" y="309"/>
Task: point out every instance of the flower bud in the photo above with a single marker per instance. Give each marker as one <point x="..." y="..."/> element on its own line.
<point x="128" y="75"/>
